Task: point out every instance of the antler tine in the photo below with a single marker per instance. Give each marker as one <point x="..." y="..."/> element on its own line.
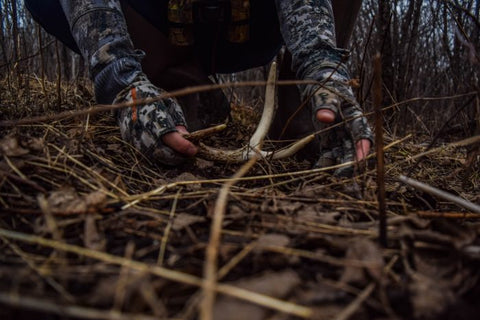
<point x="269" y="109"/>
<point x="256" y="141"/>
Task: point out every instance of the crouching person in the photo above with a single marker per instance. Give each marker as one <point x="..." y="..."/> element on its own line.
<point x="137" y="49"/>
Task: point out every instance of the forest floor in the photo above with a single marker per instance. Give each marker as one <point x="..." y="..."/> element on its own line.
<point x="90" y="229"/>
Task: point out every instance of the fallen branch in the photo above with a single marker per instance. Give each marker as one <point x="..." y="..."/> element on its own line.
<point x="210" y="269"/>
<point x="54" y="307"/>
<point x="441" y="194"/>
<point x="448" y="215"/>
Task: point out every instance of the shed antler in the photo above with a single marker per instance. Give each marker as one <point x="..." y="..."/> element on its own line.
<point x="256" y="141"/>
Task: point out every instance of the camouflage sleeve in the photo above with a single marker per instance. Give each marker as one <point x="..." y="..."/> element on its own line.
<point x="100" y="31"/>
<point x="308" y="30"/>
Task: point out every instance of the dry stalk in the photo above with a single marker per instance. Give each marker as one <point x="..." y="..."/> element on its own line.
<point x="363" y="296"/>
<point x="461" y="143"/>
<point x="380" y="155"/>
<point x="447" y="215"/>
<point x="136" y="199"/>
<point x="441" y="194"/>
<point x="353" y="307"/>
<point x="99" y="108"/>
<point x="40" y="271"/>
<point x="123" y="279"/>
<point x="210" y="268"/>
<point x="163" y="244"/>
<point x="92" y="172"/>
<point x="67" y="310"/>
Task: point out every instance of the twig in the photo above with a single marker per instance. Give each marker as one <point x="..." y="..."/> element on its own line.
<point x="123" y="278"/>
<point x="441" y="194"/>
<point x="191" y="90"/>
<point x="203" y="133"/>
<point x="448" y="215"/>
<point x="176" y="93"/>
<point x="166" y="233"/>
<point x="461" y="143"/>
<point x="253" y="149"/>
<point x="382" y="234"/>
<point x="59" y="76"/>
<point x="363" y="296"/>
<point x="67" y="310"/>
<point x="135" y="199"/>
<point x="24" y="180"/>
<point x="210" y="270"/>
<point x="352" y="307"/>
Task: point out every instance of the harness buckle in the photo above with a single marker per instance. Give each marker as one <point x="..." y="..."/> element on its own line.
<point x="211" y="11"/>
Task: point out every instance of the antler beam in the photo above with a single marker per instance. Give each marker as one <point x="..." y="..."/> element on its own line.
<point x="256" y="141"/>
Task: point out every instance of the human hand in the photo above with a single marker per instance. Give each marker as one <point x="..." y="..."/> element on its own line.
<point x="155" y="128"/>
<point x="362" y="146"/>
<point x="178" y="143"/>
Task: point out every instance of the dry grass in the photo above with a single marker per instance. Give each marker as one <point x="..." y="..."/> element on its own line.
<point x="91" y="229"/>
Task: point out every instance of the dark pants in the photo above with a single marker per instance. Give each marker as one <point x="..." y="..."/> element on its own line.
<point x="220" y="56"/>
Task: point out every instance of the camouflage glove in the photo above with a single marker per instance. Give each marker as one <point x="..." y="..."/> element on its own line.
<point x="144" y="125"/>
<point x="338" y="144"/>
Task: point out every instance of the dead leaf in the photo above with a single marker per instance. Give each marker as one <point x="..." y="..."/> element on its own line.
<point x="277" y="206"/>
<point x="277" y="285"/>
<point x="66" y="201"/>
<point x="277" y="240"/>
<point x="367" y="251"/>
<point x="33" y="143"/>
<point x="92" y="238"/>
<point x="183" y="220"/>
<point x="62" y="197"/>
<point x="203" y="164"/>
<point x="187" y="176"/>
<point x="9" y="146"/>
<point x="313" y="214"/>
<point x="96" y="199"/>
<point x="430" y="297"/>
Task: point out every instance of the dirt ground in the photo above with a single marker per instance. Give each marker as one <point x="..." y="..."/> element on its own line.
<point x="91" y="229"/>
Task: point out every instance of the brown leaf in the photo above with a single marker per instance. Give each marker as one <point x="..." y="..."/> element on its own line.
<point x="316" y="215"/>
<point x="367" y="251"/>
<point x="429" y="296"/>
<point x="92" y="238"/>
<point x="277" y="285"/>
<point x="187" y="176"/>
<point x="278" y="206"/>
<point x="278" y="240"/>
<point x="9" y="146"/>
<point x="204" y="164"/>
<point x="36" y="144"/>
<point x="183" y="220"/>
<point x="67" y="201"/>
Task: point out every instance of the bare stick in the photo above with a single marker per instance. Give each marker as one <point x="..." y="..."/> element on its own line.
<point x="176" y="93"/>
<point x="350" y="310"/>
<point x="380" y="155"/>
<point x="67" y="310"/>
<point x="448" y="215"/>
<point x="59" y="76"/>
<point x="441" y="194"/>
<point x="204" y="133"/>
<point x="210" y="271"/>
